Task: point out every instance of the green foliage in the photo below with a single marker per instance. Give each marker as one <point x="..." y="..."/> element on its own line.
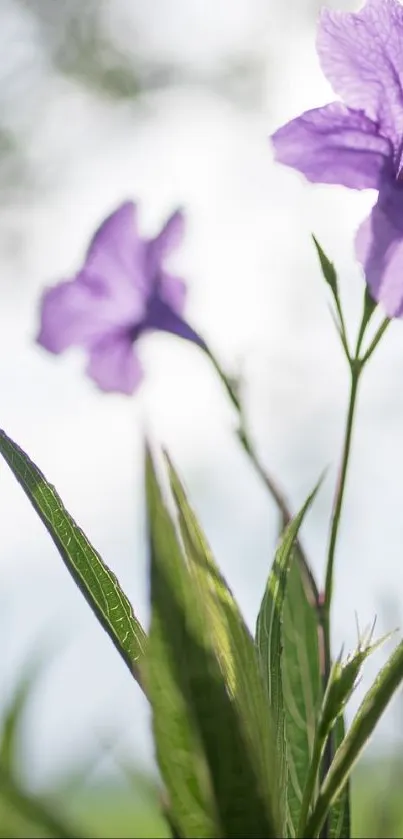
<point x="368" y="715"/>
<point x="330" y="276"/>
<point x="302" y="684"/>
<point x="270" y="644"/>
<point x="328" y="269"/>
<point x="240" y="725"/>
<point x="206" y="692"/>
<point x="95" y="580"/>
<point x="339" y="818"/>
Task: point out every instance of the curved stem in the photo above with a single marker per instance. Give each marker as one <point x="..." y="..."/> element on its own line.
<point x="270" y="483"/>
<point x="356" y="369"/>
<point x="247" y="444"/>
<point x="375" y="341"/>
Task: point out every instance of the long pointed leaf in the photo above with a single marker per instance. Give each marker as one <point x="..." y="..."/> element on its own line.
<point x="96" y="581"/>
<point x="269" y="639"/>
<point x="234" y="646"/>
<point x="367" y="717"/>
<point x="193" y="679"/>
<point x="302" y="685"/>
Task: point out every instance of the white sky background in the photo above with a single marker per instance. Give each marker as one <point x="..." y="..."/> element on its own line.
<point x="255" y="294"/>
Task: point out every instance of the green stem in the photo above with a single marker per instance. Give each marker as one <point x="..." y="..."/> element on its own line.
<point x="309" y="789"/>
<point x="247" y="443"/>
<point x="268" y="480"/>
<point x="375" y="341"/>
<point x="356" y="369"/>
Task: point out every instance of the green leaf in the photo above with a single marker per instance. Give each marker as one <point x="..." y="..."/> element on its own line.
<point x="339" y="815"/>
<point x="233" y="644"/>
<point x="330" y="276"/>
<point x="342" y="681"/>
<point x="302" y="684"/>
<point x="269" y="636"/>
<point x="96" y="581"/>
<point x="328" y="269"/>
<point x="366" y="719"/>
<point x="198" y="686"/>
<point x="369" y="307"/>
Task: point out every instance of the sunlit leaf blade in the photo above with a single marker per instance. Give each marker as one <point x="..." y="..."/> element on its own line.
<point x="367" y="717"/>
<point x="339" y="816"/>
<point x="169" y="678"/>
<point x="233" y="645"/>
<point x="302" y="685"/>
<point x="343" y="680"/>
<point x="214" y="782"/>
<point x="96" y="581"/>
<point x="269" y="639"/>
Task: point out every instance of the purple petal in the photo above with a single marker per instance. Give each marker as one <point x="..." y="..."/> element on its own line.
<point x="361" y="55"/>
<point x="334" y="145"/>
<point x="171" y="235"/>
<point x="70" y="317"/>
<point x="115" y="264"/>
<point x="167" y="240"/>
<point x="114" y="366"/>
<point x="379" y="247"/>
<point x="161" y="317"/>
<point x="173" y="292"/>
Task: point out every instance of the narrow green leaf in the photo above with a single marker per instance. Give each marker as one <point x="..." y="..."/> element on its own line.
<point x="367" y="717"/>
<point x="169" y="673"/>
<point x="302" y="685"/>
<point x="214" y="781"/>
<point x="96" y="581"/>
<point x="339" y="815"/>
<point x="369" y="307"/>
<point x="269" y="638"/>
<point x="328" y="269"/>
<point x="342" y="681"/>
<point x="234" y="647"/>
<point x="330" y="277"/>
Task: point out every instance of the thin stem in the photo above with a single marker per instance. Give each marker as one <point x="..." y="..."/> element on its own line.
<point x="310" y="784"/>
<point x="247" y="443"/>
<point x="375" y="341"/>
<point x="356" y="369"/>
<point x="268" y="480"/>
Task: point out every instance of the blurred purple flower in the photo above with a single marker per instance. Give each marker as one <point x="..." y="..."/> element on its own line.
<point x="359" y="144"/>
<point x="122" y="291"/>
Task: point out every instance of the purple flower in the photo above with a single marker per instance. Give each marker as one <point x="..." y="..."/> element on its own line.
<point x="359" y="142"/>
<point x="122" y="291"/>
